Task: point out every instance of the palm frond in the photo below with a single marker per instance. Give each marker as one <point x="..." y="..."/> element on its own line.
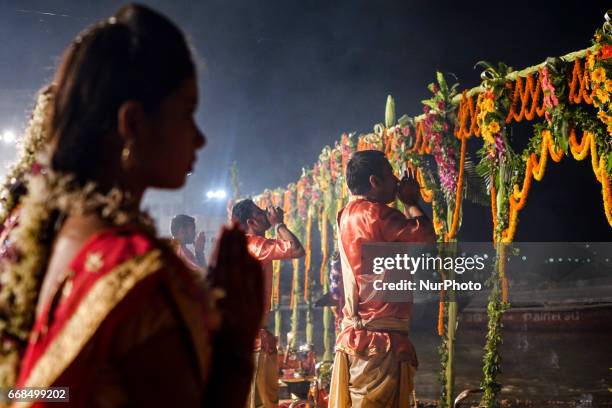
<point x="476" y="186"/>
<point x="485" y="171"/>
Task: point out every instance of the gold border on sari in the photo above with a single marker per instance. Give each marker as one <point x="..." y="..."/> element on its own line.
<point x="104" y="295"/>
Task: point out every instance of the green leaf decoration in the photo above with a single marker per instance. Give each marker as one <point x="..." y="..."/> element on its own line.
<point x="404" y="121"/>
<point x="442" y="82"/>
<point x="483" y="64"/>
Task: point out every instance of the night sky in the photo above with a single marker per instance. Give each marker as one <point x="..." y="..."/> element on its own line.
<point x="280" y="79"/>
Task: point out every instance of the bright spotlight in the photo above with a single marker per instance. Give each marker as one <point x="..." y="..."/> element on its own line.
<point x="8" y="137"/>
<point x="216" y="194"/>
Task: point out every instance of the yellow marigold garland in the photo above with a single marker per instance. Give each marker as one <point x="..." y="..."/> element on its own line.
<point x="426" y="194"/>
<point x="519" y="197"/>
<point x="295" y="263"/>
<point x="324" y="231"/>
<point x="535" y="168"/>
<point x="276" y="267"/>
<point x="438" y="225"/>
<point x="607" y="196"/>
<point x="308" y="257"/>
<point x="580" y="150"/>
<point x="539" y="164"/>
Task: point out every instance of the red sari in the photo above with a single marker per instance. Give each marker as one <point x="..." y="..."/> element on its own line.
<point x="126" y="329"/>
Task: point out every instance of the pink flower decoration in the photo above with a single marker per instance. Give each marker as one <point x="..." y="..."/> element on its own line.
<point x="555" y="101"/>
<point x="547" y="115"/>
<point x="499" y="145"/>
<point x="36" y="168"/>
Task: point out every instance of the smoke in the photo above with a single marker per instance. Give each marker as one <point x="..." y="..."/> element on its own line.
<point x="284" y="78"/>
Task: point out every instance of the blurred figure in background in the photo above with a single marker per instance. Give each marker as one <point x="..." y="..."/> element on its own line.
<point x="183" y="230"/>
<point x="256" y="221"/>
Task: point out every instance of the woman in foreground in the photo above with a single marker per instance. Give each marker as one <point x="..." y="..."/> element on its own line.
<point x="99" y="304"/>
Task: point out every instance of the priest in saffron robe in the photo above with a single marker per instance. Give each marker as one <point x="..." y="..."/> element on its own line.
<point x="286" y="245"/>
<point x="375" y="360"/>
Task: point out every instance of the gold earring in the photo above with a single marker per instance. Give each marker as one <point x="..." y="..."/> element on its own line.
<point x="126" y="155"/>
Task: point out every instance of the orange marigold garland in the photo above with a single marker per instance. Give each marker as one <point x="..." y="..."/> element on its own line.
<point x="441" y="304"/>
<point x="579" y="85"/>
<point x="493" y="193"/>
<point x="469" y="110"/>
<point x="529" y="95"/>
<point x="502" y="274"/>
<point x="459" y="194"/>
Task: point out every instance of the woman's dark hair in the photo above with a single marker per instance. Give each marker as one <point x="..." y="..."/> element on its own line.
<point x="360" y="167"/>
<point x="138" y="54"/>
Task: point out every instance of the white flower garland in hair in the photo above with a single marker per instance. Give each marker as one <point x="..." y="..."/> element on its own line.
<point x="34" y="139"/>
<point x="22" y="275"/>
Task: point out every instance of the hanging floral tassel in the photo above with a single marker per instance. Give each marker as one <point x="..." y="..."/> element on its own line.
<point x="502" y="274"/>
<point x="505" y="290"/>
<point x="324" y="245"/>
<point x="276" y="267"/>
<point x="287" y="202"/>
<point x="292" y="298"/>
<point x="295" y="290"/>
<point x="308" y="257"/>
<point x="493" y="193"/>
<point x="441" y="314"/>
<point x="454" y="225"/>
<point x="426" y="194"/>
<point x="438" y="225"/>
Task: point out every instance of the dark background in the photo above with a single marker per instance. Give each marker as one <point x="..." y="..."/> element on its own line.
<point x="280" y="79"/>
